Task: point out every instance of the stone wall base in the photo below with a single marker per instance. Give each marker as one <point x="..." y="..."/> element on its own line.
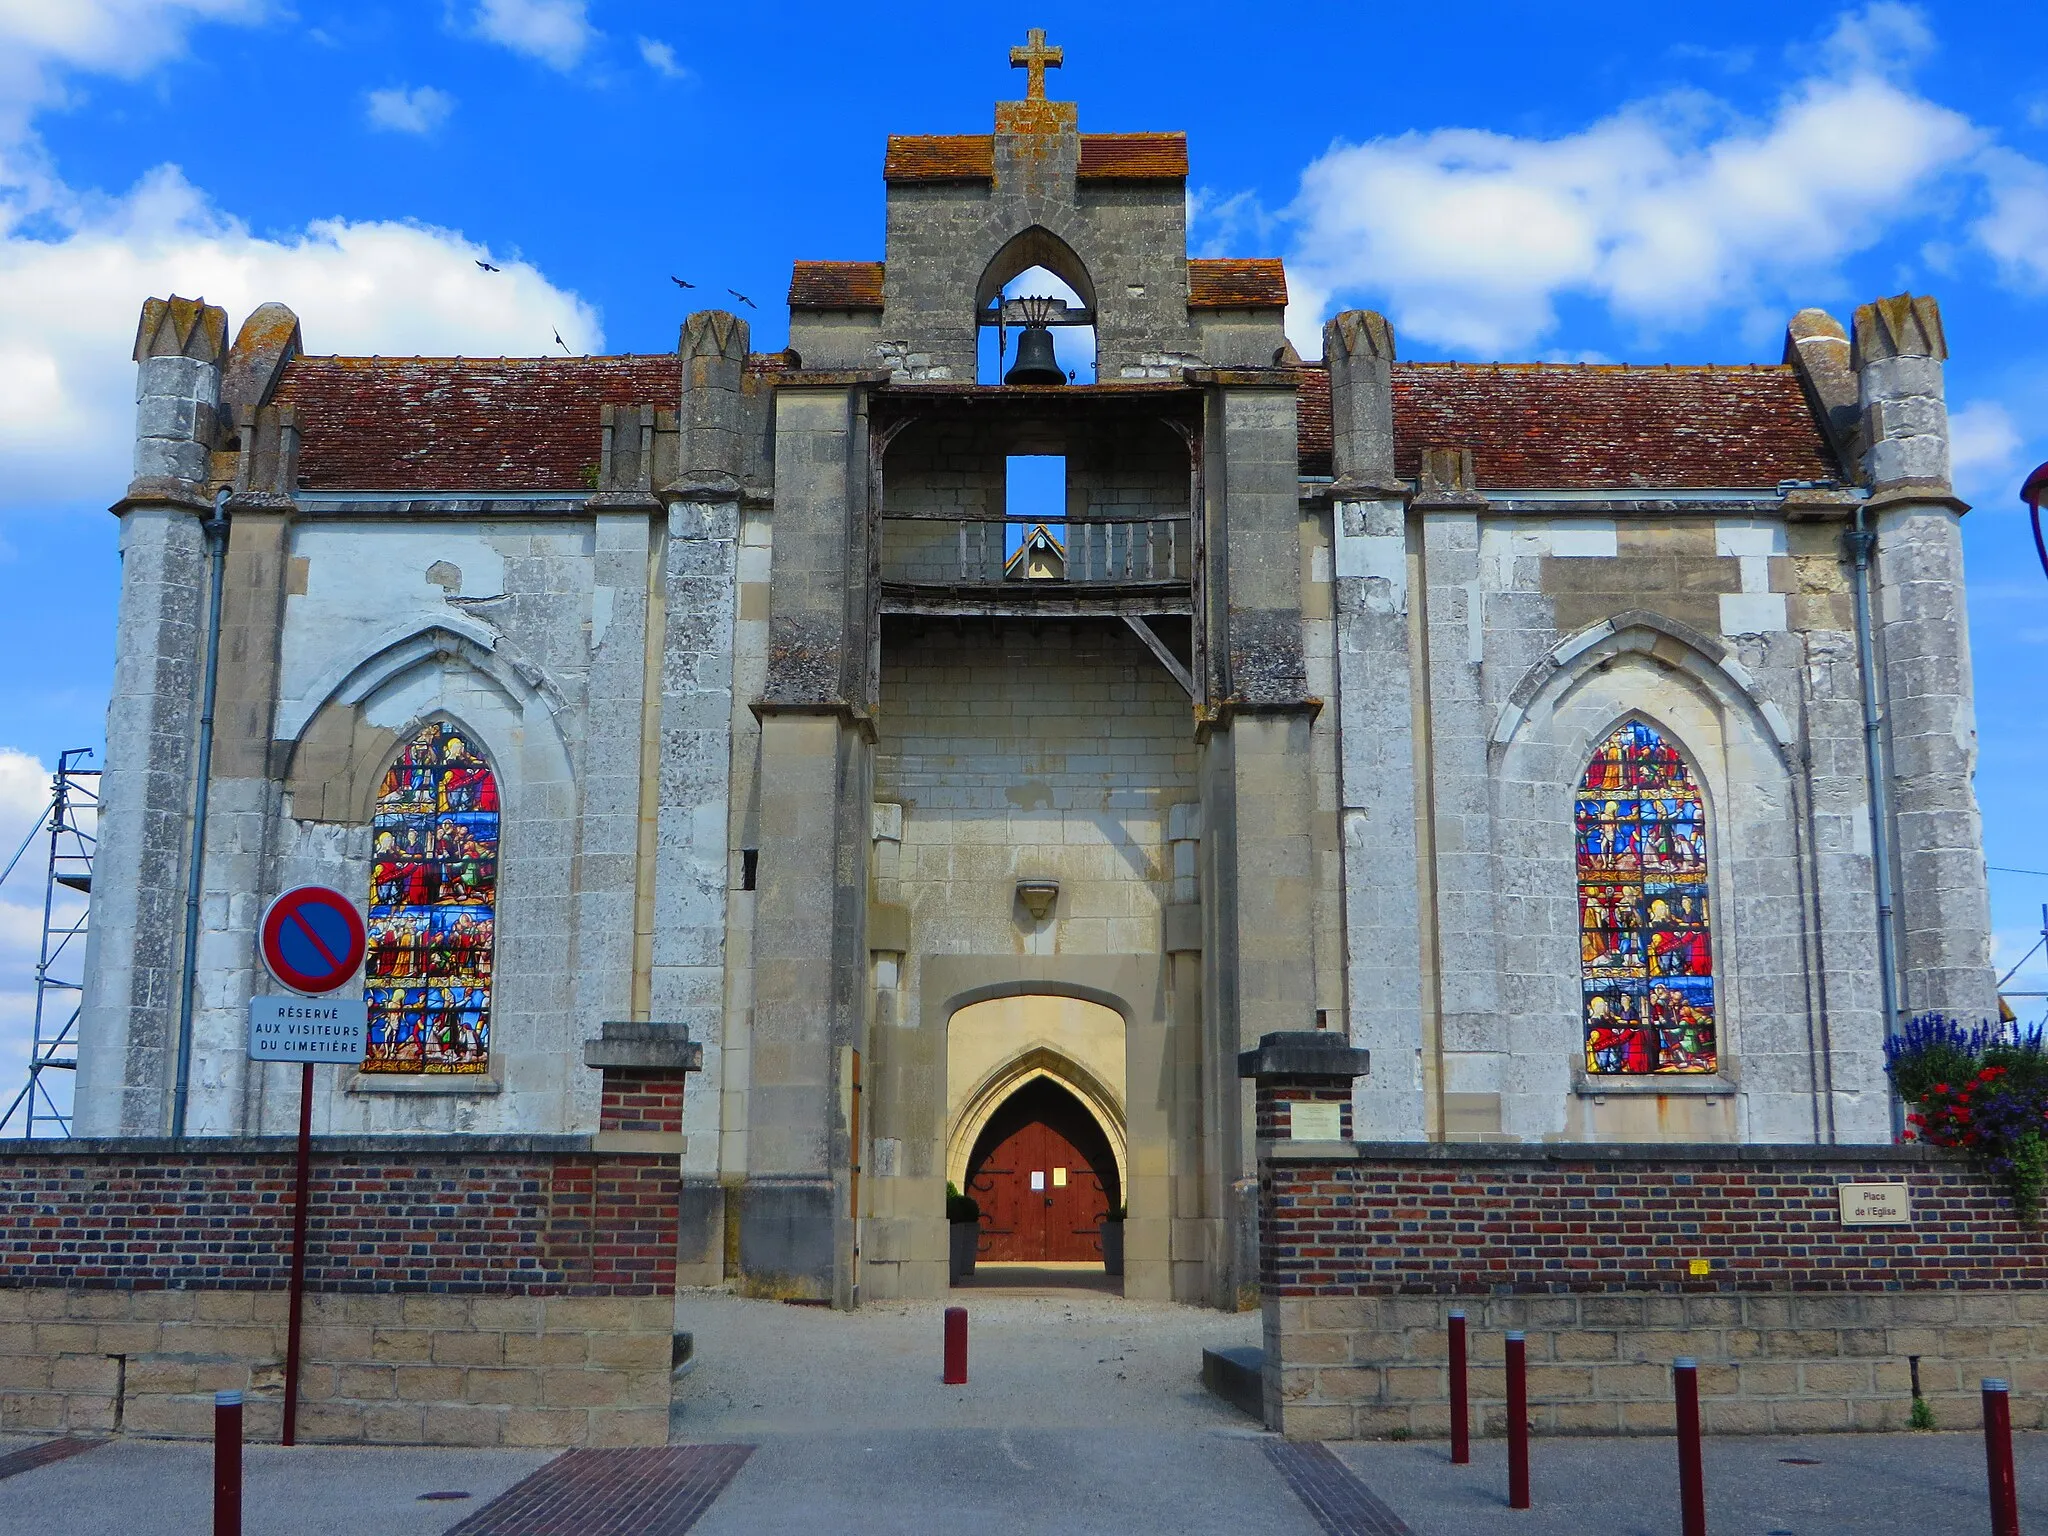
<point x="378" y="1369"/>
<point x="1356" y="1368"/>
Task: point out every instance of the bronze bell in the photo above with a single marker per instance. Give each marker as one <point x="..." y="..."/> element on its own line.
<point x="1035" y="361"/>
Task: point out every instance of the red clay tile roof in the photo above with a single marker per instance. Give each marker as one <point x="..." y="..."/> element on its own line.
<point x="531" y="423"/>
<point x="462" y="424"/>
<point x="940" y="157"/>
<point x="1312" y="418"/>
<point x="836" y="285"/>
<point x="1543" y="426"/>
<point x="1134" y="157"/>
<point x="1257" y="284"/>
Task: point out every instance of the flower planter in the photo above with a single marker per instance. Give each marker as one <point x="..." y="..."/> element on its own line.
<point x="1113" y="1248"/>
<point x="966" y="1240"/>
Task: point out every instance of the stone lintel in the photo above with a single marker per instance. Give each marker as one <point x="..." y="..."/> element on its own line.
<point x="1226" y="713"/>
<point x="849" y="715"/>
<point x="1647" y="1153"/>
<point x="1351" y="488"/>
<point x="1303" y="1053"/>
<point x="1587" y="1085"/>
<point x="1818" y="506"/>
<point x="639" y="1045"/>
<point x="162" y="491"/>
<point x="827" y="378"/>
<point x="1916" y="493"/>
<point x="612" y="502"/>
<point x="704" y="489"/>
<point x="429" y="1084"/>
<point x="262" y="503"/>
<point x="1243" y="378"/>
<point x="425" y="1143"/>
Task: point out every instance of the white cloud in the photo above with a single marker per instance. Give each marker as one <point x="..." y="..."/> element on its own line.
<point x="2015" y="230"/>
<point x="24" y="792"/>
<point x="419" y="109"/>
<point x="42" y="39"/>
<point x="66" y="382"/>
<point x="557" y="32"/>
<point x="1984" y="454"/>
<point x="661" y="58"/>
<point x="1666" y="211"/>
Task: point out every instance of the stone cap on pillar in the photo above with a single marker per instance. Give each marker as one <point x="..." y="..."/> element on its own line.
<point x="643" y="1046"/>
<point x="1303" y="1053"/>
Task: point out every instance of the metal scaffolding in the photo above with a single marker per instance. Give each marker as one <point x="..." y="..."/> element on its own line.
<point x="71" y="821"/>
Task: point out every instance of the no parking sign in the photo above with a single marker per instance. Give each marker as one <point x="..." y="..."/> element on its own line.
<point x="313" y="941"/>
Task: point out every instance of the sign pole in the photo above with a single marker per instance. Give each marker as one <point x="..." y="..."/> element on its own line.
<point x="298" y="1292"/>
<point x="313" y="940"/>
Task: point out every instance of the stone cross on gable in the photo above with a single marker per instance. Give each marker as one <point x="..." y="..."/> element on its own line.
<point x="1037" y="58"/>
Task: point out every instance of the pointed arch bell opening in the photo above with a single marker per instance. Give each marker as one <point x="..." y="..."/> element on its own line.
<point x="1645" y="928"/>
<point x="433" y="907"/>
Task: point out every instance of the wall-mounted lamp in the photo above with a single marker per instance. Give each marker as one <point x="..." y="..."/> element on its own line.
<point x="1038" y="897"/>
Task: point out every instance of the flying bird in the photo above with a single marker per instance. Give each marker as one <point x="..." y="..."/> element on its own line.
<point x="742" y="298"/>
<point x="680" y="283"/>
<point x="561" y="343"/>
<point x="486" y="266"/>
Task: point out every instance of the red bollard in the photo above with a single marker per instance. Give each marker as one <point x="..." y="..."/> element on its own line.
<point x="227" y="1464"/>
<point x="1518" y="1422"/>
<point x="1692" y="1477"/>
<point x="956" y="1347"/>
<point x="1461" y="1413"/>
<point x="2005" y="1498"/>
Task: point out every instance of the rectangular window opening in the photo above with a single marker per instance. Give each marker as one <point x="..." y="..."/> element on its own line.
<point x="750" y="864"/>
<point x="1034" y="499"/>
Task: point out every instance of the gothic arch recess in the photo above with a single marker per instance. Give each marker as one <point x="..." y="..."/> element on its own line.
<point x="1034" y="247"/>
<point x="1001" y="1085"/>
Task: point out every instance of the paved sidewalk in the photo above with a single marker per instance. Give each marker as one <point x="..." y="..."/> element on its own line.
<point x="165" y="1488"/>
<point x="1083" y="1414"/>
<point x="1857" y="1484"/>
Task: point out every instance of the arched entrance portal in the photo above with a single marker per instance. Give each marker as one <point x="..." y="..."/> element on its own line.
<point x="1045" y="1176"/>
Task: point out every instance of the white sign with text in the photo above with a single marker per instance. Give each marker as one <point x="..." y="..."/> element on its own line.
<point x="333" y="1029"/>
<point x="1875" y="1205"/>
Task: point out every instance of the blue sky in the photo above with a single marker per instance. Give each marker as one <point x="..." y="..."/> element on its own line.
<point x="1564" y="180"/>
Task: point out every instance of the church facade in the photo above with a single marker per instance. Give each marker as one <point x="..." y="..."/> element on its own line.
<point x="1592" y="745"/>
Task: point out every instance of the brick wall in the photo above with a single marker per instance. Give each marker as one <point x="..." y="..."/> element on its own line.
<point x="502" y="1216"/>
<point x="1798" y="1322"/>
<point x="461" y="1290"/>
<point x="1407" y="1221"/>
<point x="642" y="1101"/>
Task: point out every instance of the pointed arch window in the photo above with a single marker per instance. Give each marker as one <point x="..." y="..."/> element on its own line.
<point x="1646" y="952"/>
<point x="433" y="907"/>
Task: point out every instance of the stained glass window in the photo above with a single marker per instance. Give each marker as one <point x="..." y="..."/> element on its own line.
<point x="1645" y="958"/>
<point x="433" y="908"/>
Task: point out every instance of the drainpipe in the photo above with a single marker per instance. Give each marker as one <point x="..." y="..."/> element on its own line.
<point x="1862" y="543"/>
<point x="188" y="978"/>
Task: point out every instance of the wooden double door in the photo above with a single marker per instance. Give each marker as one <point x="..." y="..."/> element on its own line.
<point x="1042" y="1200"/>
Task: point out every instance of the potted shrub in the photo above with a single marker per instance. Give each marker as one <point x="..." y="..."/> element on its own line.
<point x="1113" y="1240"/>
<point x="963" y="1218"/>
<point x="1982" y="1089"/>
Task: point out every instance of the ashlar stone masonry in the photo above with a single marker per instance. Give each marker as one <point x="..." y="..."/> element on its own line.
<point x="1294" y="721"/>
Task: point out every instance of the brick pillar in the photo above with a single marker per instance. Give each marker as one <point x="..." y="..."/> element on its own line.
<point x="1307" y="1066"/>
<point x="645" y="1066"/>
